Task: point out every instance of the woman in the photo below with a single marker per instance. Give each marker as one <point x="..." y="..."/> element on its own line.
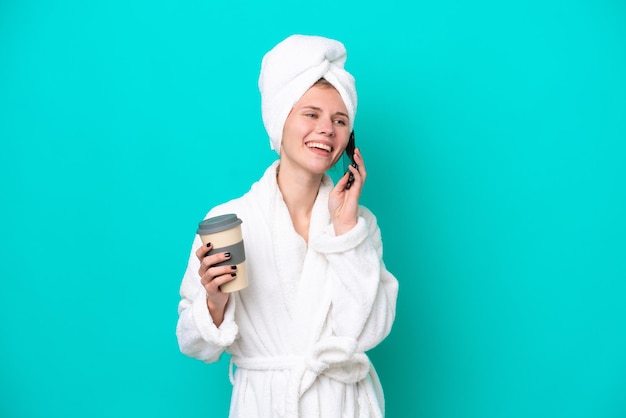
<point x="319" y="295"/>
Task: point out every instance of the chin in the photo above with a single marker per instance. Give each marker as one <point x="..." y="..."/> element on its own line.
<point x="319" y="169"/>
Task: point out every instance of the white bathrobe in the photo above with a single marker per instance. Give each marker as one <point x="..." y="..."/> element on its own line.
<point x="298" y="334"/>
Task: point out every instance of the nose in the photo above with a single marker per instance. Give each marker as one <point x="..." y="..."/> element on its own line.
<point x="325" y="127"/>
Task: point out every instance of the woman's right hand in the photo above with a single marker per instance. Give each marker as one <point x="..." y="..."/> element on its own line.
<point x="212" y="277"/>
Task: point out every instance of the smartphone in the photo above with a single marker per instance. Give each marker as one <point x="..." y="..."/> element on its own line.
<point x="350" y="153"/>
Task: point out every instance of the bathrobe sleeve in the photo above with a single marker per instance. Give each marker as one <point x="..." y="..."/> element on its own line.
<point x="198" y="337"/>
<point x="363" y="292"/>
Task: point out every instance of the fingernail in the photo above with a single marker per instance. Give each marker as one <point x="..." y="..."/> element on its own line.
<point x="208" y="244"/>
<point x="227" y="255"/>
<point x="233" y="267"/>
<point x="233" y="274"/>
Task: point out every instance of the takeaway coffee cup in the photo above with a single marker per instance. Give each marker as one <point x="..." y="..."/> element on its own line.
<point x="224" y="232"/>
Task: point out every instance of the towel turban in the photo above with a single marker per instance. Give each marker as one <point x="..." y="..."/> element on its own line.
<point x="290" y="68"/>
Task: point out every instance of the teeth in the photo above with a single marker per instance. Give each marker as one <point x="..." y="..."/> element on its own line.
<point x="318" y="145"/>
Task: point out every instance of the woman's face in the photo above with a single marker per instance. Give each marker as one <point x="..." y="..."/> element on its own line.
<point x="316" y="131"/>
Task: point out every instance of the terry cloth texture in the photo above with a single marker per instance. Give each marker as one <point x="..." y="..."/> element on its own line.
<point x="291" y="68"/>
<point x="299" y="333"/>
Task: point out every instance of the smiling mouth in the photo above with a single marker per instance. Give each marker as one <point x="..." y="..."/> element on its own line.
<point x="319" y="145"/>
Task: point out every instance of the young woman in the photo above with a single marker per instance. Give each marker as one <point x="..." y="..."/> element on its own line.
<point x="319" y="295"/>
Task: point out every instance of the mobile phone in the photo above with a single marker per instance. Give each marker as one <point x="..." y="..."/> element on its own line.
<point x="350" y="153"/>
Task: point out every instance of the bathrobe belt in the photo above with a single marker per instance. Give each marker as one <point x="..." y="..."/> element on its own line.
<point x="334" y="357"/>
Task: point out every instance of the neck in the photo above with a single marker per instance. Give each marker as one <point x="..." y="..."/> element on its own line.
<point x="299" y="189"/>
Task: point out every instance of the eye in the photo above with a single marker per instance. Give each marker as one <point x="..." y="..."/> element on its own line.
<point x="340" y="122"/>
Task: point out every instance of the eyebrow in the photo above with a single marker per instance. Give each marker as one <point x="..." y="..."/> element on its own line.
<point x="319" y="110"/>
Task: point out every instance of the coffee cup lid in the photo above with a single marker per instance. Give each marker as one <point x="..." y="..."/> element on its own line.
<point x="218" y="224"/>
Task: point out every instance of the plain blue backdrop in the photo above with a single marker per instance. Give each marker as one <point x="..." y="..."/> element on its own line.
<point x="494" y="135"/>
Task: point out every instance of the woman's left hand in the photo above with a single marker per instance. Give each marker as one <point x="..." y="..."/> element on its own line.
<point x="343" y="204"/>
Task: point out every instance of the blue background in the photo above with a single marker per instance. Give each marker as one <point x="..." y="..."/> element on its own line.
<point x="494" y="135"/>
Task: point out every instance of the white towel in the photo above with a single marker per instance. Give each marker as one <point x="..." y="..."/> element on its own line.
<point x="291" y="68"/>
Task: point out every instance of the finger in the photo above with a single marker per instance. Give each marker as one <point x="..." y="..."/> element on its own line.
<point x="221" y="271"/>
<point x="224" y="278"/>
<point x="203" y="250"/>
<point x="214" y="272"/>
<point x="341" y="183"/>
<point x="210" y="260"/>
<point x="358" y="177"/>
<point x="358" y="158"/>
<point x="213" y="259"/>
<point x="213" y="289"/>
